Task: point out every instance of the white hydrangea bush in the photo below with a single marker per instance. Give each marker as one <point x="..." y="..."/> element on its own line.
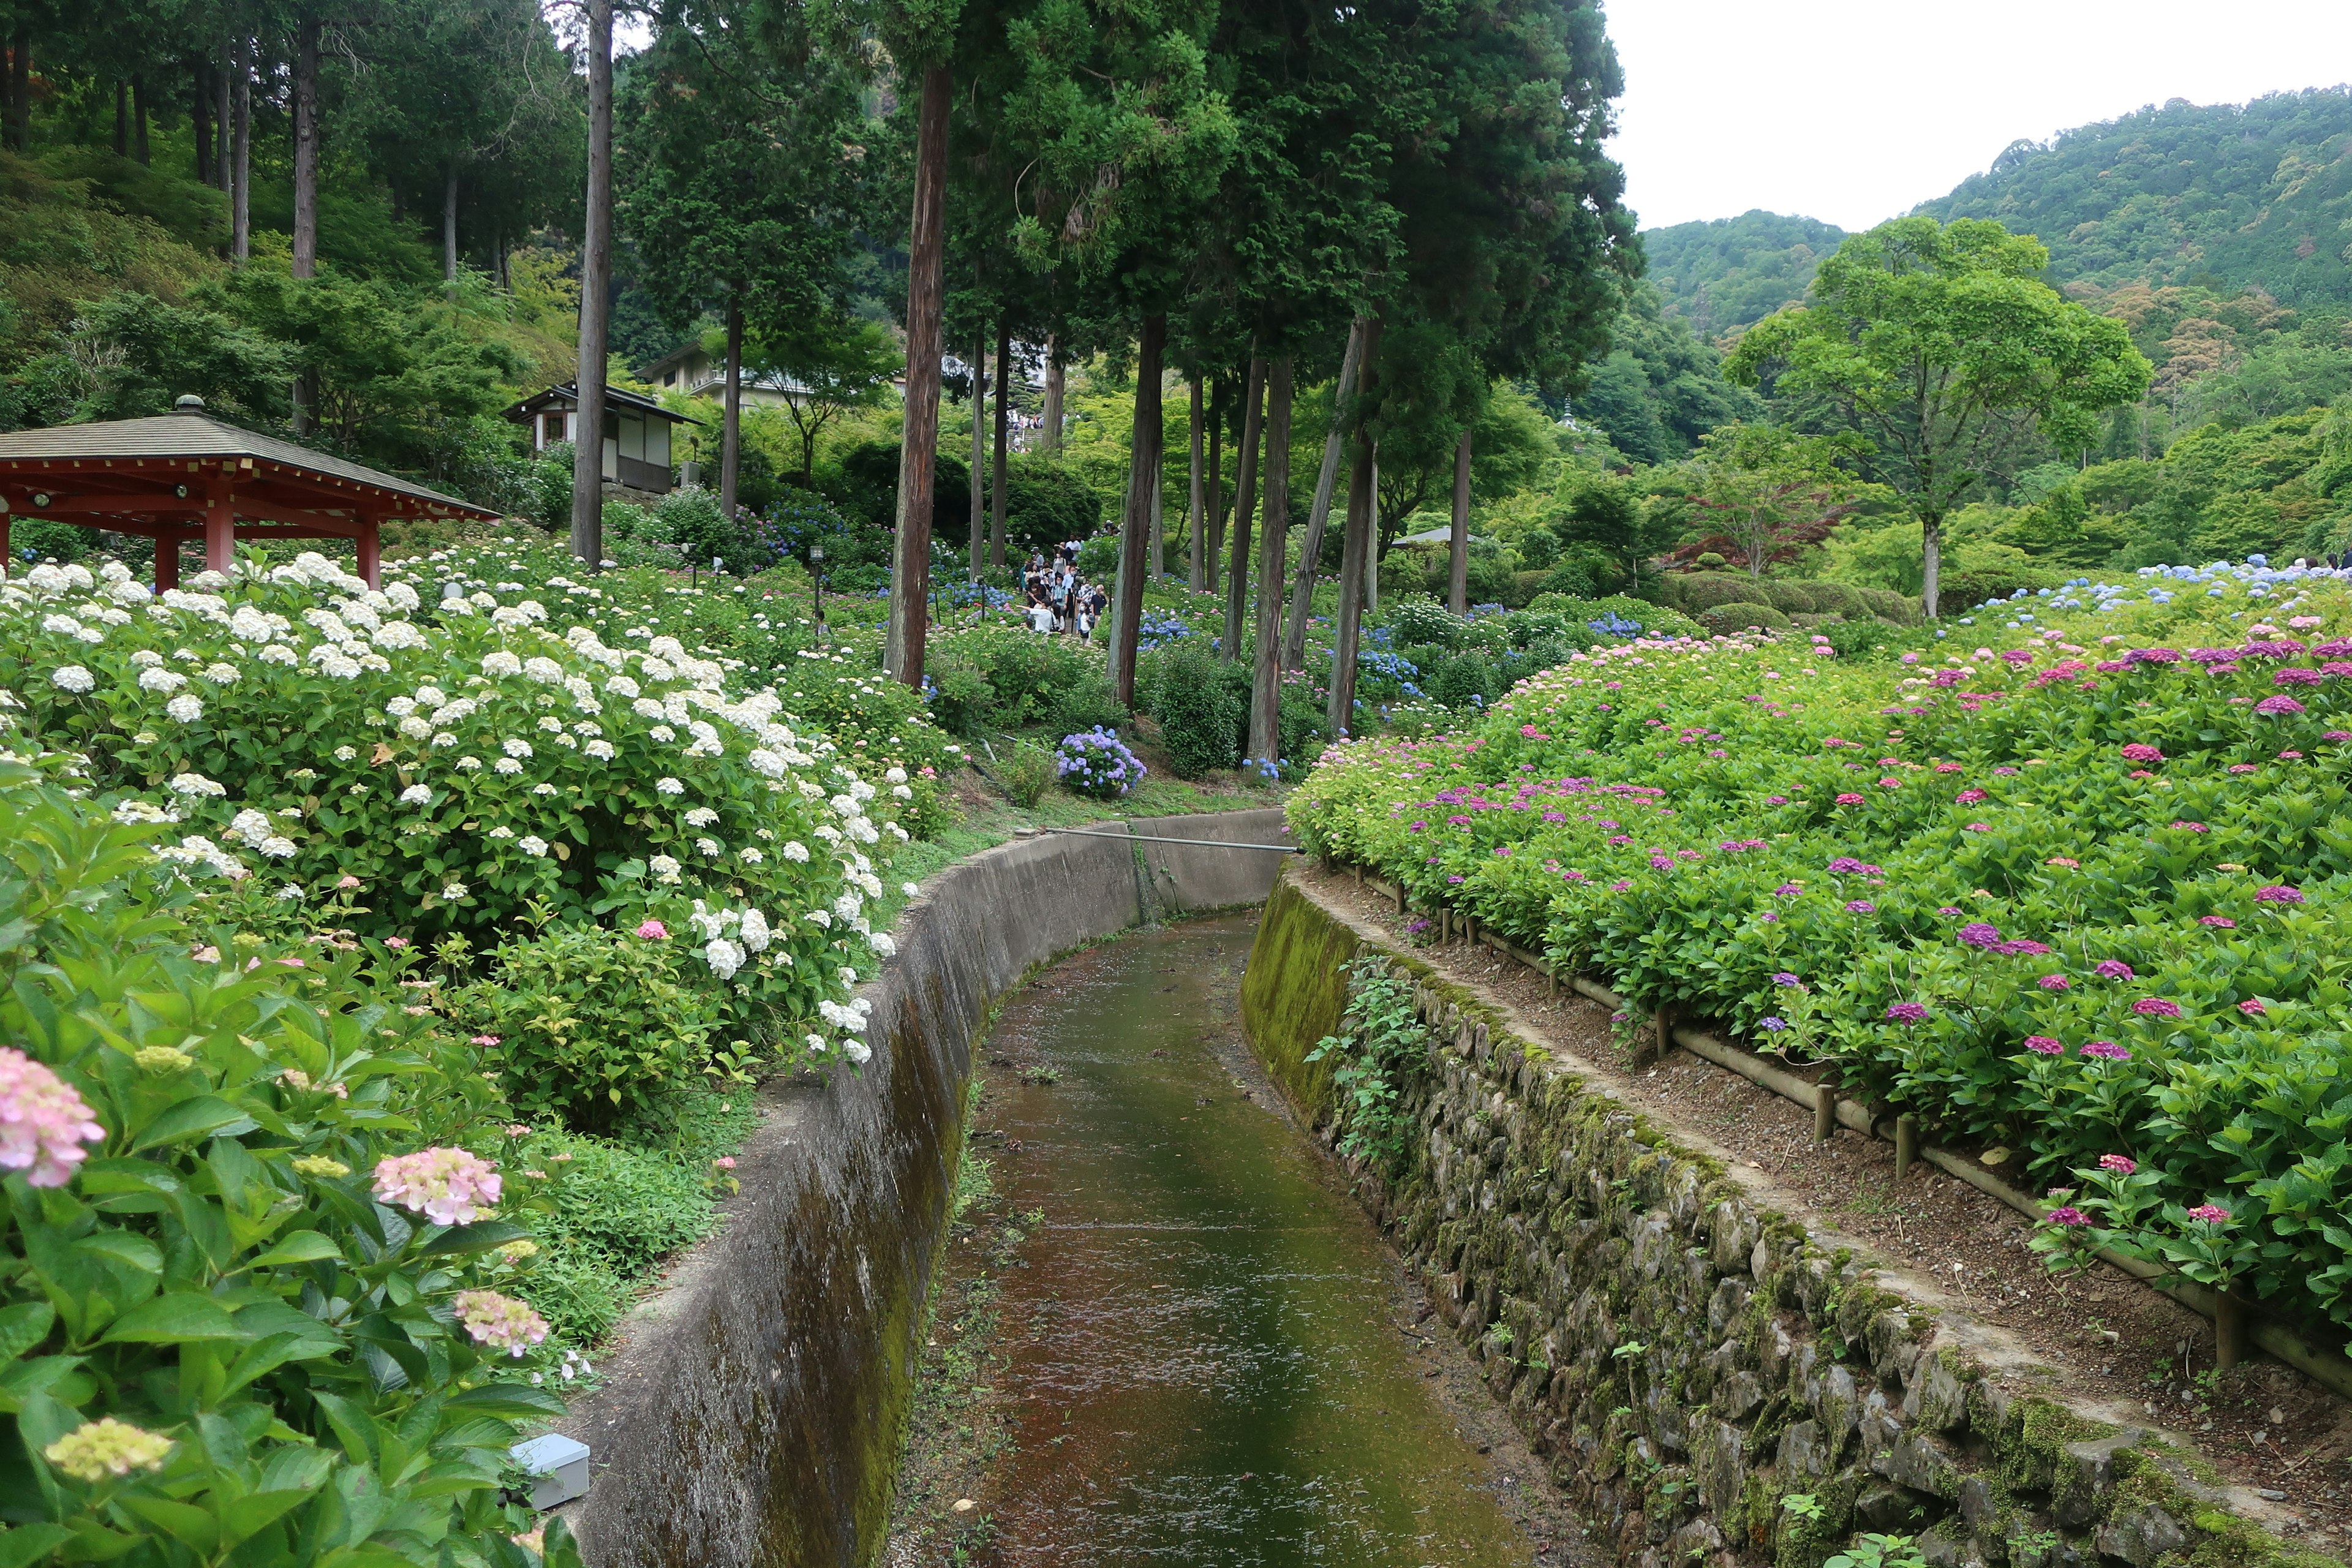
<point x="464" y="763"/>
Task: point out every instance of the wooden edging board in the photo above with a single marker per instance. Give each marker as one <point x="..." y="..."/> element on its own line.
<point x="2325" y="1367"/>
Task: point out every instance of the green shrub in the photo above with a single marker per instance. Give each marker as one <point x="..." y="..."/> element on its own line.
<point x="1464" y="680"/>
<point x="590" y="1024"/>
<point x="1199" y="720"/>
<point x="963" y="699"/>
<point x="210" y="1183"/>
<point x="1423" y="622"/>
<point x="1738" y="617"/>
<point x="1088" y="702"/>
<point x="1568" y="577"/>
<point x="1865" y="639"/>
<point x="35" y="539"/>
<point x="1027" y="773"/>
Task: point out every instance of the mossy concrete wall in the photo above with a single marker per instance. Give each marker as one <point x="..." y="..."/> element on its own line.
<point x="752" y="1411"/>
<point x="1688" y="1358"/>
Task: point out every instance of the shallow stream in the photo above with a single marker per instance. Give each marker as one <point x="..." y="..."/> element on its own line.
<point x="1201" y="1351"/>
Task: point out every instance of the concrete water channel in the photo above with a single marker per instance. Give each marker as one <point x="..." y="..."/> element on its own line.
<point x="1199" y="1349"/>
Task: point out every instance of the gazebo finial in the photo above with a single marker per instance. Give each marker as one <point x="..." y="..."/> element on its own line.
<point x="189" y="403"/>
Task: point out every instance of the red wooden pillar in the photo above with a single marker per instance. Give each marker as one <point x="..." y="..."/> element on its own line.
<point x="220" y="530"/>
<point x="167" y="559"/>
<point x="7" y="562"/>
<point x="371" y="553"/>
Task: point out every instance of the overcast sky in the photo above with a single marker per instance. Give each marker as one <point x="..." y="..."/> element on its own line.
<point x="1855" y="110"/>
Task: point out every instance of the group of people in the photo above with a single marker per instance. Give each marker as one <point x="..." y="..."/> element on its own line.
<point x="1057" y="598"/>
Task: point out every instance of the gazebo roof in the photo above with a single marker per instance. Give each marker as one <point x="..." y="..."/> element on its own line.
<point x="194" y="436"/>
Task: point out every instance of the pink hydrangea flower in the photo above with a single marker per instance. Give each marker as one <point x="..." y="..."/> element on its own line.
<point x="2055" y="982"/>
<point x="2219" y="922"/>
<point x="2212" y="1213"/>
<point x="1969" y="796"/>
<point x="2272" y="707"/>
<point x="501" y="1322"/>
<point x="2113" y="969"/>
<point x="396" y="943"/>
<point x="2139" y="751"/>
<point x="2121" y="1165"/>
<point x="2252" y="1008"/>
<point x="486" y="1041"/>
<point x="1907" y="1013"/>
<point x="2192" y="828"/>
<point x="448" y="1186"/>
<point x="2068" y="1215"/>
<point x="2157" y="1008"/>
<point x="1977" y="827"/>
<point x="44" y="1121"/>
<point x="653" y="931"/>
<point x="2106" y="1050"/>
<point x="1849" y="798"/>
<point x="2277" y="895"/>
<point x="2043" y="1045"/>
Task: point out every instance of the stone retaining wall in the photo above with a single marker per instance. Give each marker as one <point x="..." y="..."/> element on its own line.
<point x="1688" y="1358"/>
<point x="752" y="1411"/>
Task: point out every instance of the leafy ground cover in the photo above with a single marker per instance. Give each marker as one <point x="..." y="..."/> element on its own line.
<point x="2069" y="889"/>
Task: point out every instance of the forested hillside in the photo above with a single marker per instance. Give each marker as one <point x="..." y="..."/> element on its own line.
<point x="2229" y="196"/>
<point x="1732" y="272"/>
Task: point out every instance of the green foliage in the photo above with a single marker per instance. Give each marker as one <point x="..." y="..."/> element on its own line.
<point x="1027" y="773"/>
<point x="2225" y="194"/>
<point x="1464" y="680"/>
<point x="1660" y="388"/>
<point x="590" y="1024"/>
<point x="1199" y="716"/>
<point x="170" y="1281"/>
<point x="1735" y="616"/>
<point x="1734" y="271"/>
<point x="1421" y="621"/>
<point x="1880" y="1551"/>
<point x="2074" y="912"/>
<point x="1380" y="1055"/>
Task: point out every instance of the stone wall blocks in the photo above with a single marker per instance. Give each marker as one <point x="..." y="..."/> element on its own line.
<point x="1892" y="1510"/>
<point x="1731" y="1235"/>
<point x="1724" y="1306"/>
<point x="1807" y="1284"/>
<point x="1893" y="1351"/>
<point x="1922" y="1463"/>
<point x="1938" y="1399"/>
<point x="1989" y="1409"/>
<point x="1838" y="1403"/>
<point x="2086" y="1475"/>
<point x="1804" y="1452"/>
<point x="2140" y="1533"/>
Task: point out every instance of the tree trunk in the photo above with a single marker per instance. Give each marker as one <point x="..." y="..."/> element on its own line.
<point x="1457" y="593"/>
<point x="139" y="144"/>
<point x="200" y="123"/>
<point x="911" y="558"/>
<point x="1216" y="493"/>
<point x="979" y="448"/>
<point x="450" y="227"/>
<point x="1244" y="498"/>
<point x="224" y="116"/>
<point x="1363" y="337"/>
<point x="240" y="230"/>
<point x="123" y="118"/>
<point x="1143" y="468"/>
<point x="730" y="416"/>
<point x="306" y="147"/>
<point x="1195" y="513"/>
<point x="1274" y="536"/>
<point x="998" y="496"/>
<point x="595" y="295"/>
<point x="1931" y="542"/>
<point x="1050" y="421"/>
<point x="1355" y="557"/>
<point x="20" y="87"/>
<point x="1372" y="555"/>
<point x="1134" y="518"/>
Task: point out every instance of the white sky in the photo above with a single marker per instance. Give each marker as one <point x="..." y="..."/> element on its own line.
<point x="1852" y="111"/>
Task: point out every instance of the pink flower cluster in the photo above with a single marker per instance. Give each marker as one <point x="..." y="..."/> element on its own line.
<point x="2137" y="751"/>
<point x="2121" y="1165"/>
<point x="499" y="1322"/>
<point x="448" y="1186"/>
<point x="43" y="1121"/>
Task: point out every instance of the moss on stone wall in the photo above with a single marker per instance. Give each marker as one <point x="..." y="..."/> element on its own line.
<point x="1688" y="1360"/>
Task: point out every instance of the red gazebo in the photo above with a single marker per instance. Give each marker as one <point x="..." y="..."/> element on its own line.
<point x="177" y="476"/>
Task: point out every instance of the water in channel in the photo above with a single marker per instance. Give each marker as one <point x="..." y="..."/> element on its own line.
<point x="1200" y="1357"/>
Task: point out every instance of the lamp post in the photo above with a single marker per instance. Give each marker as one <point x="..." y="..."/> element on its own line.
<point x="816" y="583"/>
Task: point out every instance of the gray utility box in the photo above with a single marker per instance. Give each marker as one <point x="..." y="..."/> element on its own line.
<point x="557" y="1465"/>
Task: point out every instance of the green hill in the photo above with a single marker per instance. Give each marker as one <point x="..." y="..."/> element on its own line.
<point x="2223" y="197"/>
<point x="1734" y="271"/>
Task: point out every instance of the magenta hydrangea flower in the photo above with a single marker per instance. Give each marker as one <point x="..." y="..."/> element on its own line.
<point x="1969" y="796"/>
<point x="2121" y="1165"/>
<point x="2113" y="969"/>
<point x="1907" y="1013"/>
<point x="2055" y="982"/>
<point x="500" y="1323"/>
<point x="1849" y="798"/>
<point x="2212" y="1213"/>
<point x="2043" y="1045"/>
<point x="2140" y="751"/>
<point x="2219" y="922"/>
<point x="2157" y="1008"/>
<point x="1787" y="890"/>
<point x="2187" y="826"/>
<point x="2272" y="707"/>
<point x="2296" y="676"/>
<point x="1786" y="979"/>
<point x="44" y="1121"/>
<point x="2252" y="1007"/>
<point x="2278" y="895"/>
<point x="2106" y="1050"/>
<point x="653" y="931"/>
<point x="1860" y="907"/>
<point x="2068" y="1216"/>
<point x="1979" y="933"/>
<point x="448" y="1186"/>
